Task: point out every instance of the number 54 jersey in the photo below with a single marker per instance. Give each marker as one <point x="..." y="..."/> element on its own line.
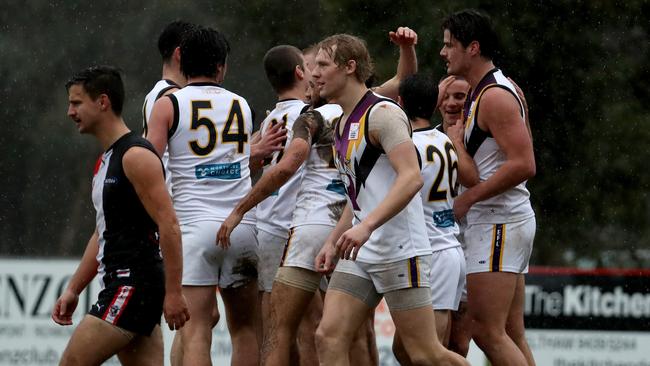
<point x="209" y="152"/>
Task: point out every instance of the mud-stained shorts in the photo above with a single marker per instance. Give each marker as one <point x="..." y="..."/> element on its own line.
<point x="205" y="263"/>
<point x="270" y="249"/>
<point x="304" y="244"/>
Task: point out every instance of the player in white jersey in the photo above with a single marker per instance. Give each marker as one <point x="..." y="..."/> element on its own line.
<point x="320" y="202"/>
<point x="172" y="77"/>
<point x="378" y="163"/>
<point x="134" y="217"/>
<point x="206" y="129"/>
<point x="364" y="349"/>
<point x="440" y="173"/>
<point x="286" y="72"/>
<point x="452" y="99"/>
<point x="500" y="220"/>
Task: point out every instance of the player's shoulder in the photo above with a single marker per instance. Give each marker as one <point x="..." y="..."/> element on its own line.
<point x="430" y="136"/>
<point x="499" y="100"/>
<point x="387" y="109"/>
<point x="286" y="110"/>
<point x="330" y="111"/>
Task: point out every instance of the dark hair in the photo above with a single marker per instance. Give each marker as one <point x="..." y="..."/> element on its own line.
<point x="171" y="37"/>
<point x="419" y="95"/>
<point x="280" y="64"/>
<point x="470" y="25"/>
<point x="97" y="80"/>
<point x="202" y="50"/>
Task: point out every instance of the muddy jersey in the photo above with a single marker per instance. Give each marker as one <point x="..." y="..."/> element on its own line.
<point x="440" y="175"/>
<point x="368" y="177"/>
<point x="321" y="197"/>
<point x="275" y="212"/>
<point x="209" y="152"/>
<point x="513" y="204"/>
<point x="161" y="87"/>
<point x="128" y="236"/>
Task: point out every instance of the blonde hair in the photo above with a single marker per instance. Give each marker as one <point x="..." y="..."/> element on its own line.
<point x="343" y="48"/>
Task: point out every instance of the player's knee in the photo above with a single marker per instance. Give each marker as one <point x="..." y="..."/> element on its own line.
<point x="485" y="335"/>
<point x="326" y="339"/>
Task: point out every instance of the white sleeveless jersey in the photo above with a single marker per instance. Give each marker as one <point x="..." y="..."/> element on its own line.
<point x="161" y="87"/>
<point x="368" y="177"/>
<point x="209" y="152"/>
<point x="275" y="212"/>
<point x="321" y="197"/>
<point x="440" y="175"/>
<point x="514" y="204"/>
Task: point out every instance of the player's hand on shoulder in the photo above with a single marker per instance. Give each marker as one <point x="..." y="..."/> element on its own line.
<point x="64" y="307"/>
<point x="404" y="36"/>
<point x="175" y="310"/>
<point x="521" y="95"/>
<point x="228" y="225"/>
<point x="271" y="141"/>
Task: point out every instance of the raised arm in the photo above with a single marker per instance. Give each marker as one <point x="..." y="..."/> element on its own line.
<point x="500" y="115"/>
<point x="406" y="39"/>
<point x="87" y="270"/>
<point x="305" y="126"/>
<point x="144" y="171"/>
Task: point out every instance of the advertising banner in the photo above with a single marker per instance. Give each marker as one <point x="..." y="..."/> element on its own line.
<point x="573" y="317"/>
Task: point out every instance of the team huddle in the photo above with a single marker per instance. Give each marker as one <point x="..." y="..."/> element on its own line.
<point x="357" y="197"/>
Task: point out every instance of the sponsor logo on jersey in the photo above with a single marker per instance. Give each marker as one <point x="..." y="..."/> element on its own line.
<point x="218" y="171"/>
<point x="354" y="131"/>
<point x="336" y="186"/>
<point x="110" y="180"/>
<point x="444" y="218"/>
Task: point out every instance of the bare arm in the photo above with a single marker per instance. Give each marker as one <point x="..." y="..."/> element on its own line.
<point x="298" y="151"/>
<point x="86" y="271"/>
<point x="499" y="113"/>
<point x="406" y="39"/>
<point x="144" y="171"/>
<point x="162" y="117"/>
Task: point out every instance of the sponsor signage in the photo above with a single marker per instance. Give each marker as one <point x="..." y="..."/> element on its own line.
<point x="617" y="300"/>
<point x="573" y="317"/>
